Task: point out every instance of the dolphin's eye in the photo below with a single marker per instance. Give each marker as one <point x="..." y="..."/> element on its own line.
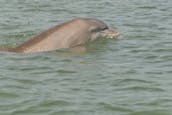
<point x="99" y="29"/>
<point x="104" y="28"/>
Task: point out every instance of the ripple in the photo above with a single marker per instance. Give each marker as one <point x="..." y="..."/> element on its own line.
<point x="122" y="82"/>
<point x="17" y="105"/>
<point x="28" y="81"/>
<point x="152" y="112"/>
<point x="144" y="89"/>
<point x="109" y="107"/>
<point x="31" y="111"/>
<point x="156" y="102"/>
<point x="61" y="71"/>
<point x="66" y="112"/>
<point x="53" y="103"/>
<point x="45" y="107"/>
<point x="148" y="7"/>
<point x="8" y="95"/>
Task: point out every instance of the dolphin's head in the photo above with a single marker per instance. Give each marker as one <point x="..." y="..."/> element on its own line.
<point x="99" y="29"/>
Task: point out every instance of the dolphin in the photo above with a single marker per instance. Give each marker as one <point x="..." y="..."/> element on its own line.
<point x="70" y="34"/>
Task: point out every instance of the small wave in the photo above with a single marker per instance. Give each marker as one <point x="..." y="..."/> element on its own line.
<point x="61" y="71"/>
<point x="50" y="103"/>
<point x="8" y="95"/>
<point x="110" y="107"/>
<point x="147" y="7"/>
<point x="145" y="89"/>
<point x="152" y="112"/>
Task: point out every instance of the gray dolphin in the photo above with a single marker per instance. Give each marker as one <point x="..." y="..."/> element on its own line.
<point x="69" y="34"/>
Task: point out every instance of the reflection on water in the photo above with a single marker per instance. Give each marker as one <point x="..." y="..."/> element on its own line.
<point x="130" y="76"/>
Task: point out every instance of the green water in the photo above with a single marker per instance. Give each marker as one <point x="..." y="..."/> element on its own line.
<point x="129" y="76"/>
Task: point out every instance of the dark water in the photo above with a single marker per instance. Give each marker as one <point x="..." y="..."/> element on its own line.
<point x="129" y="76"/>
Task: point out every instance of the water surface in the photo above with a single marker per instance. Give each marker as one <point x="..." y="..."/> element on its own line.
<point x="129" y="76"/>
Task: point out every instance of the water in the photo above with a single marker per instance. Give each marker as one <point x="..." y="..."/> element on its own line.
<point x="129" y="76"/>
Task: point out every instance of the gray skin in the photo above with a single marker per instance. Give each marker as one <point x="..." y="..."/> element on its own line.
<point x="69" y="34"/>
